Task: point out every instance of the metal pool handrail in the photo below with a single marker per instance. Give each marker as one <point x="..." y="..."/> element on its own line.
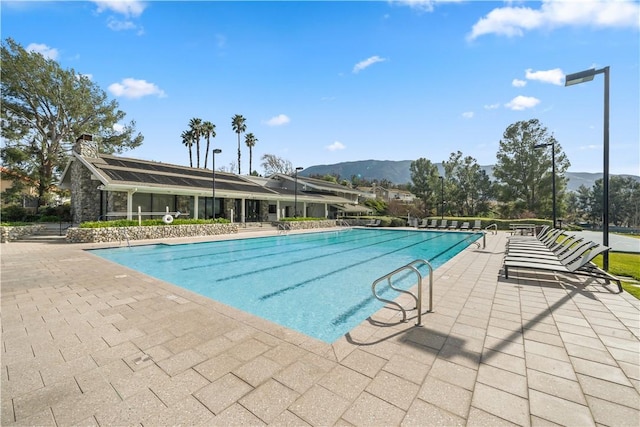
<point x="418" y="298"/>
<point x="494" y="226"/>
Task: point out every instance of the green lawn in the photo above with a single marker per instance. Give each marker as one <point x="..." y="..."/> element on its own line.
<point x="624" y="265"/>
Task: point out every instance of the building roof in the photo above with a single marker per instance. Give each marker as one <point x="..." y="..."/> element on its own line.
<point x="114" y="173"/>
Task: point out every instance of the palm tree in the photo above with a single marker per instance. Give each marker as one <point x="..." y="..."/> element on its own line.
<point x="238" y="125"/>
<point x="187" y="140"/>
<point x="208" y="131"/>
<point x="250" y="140"/>
<point x="195" y="125"/>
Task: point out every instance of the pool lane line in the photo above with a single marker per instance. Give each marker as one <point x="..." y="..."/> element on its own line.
<point x="294" y="250"/>
<point x="264" y="243"/>
<point x="313" y="258"/>
<point x="347" y="267"/>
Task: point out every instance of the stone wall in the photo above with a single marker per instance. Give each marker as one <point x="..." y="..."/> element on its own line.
<point x="8" y="234"/>
<point x="118" y="234"/>
<point x="306" y="225"/>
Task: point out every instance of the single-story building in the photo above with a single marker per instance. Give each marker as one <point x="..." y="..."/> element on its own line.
<point x="105" y="187"/>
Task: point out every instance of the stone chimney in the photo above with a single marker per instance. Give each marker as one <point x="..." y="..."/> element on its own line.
<point x="85" y="146"/>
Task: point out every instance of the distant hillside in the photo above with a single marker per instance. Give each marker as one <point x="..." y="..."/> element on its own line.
<point x="398" y="172"/>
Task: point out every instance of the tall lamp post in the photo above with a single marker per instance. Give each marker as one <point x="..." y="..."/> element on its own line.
<point x="213" y="172"/>
<point x="587" y="76"/>
<point x="295" y="203"/>
<point x="441" y="197"/>
<point x="553" y="175"/>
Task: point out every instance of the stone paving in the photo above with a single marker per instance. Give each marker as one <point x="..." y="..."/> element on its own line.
<point x="89" y="342"/>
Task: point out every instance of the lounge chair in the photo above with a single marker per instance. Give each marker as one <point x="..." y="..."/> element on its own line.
<point x="557" y="249"/>
<point x="477" y="225"/>
<point x="443" y="224"/>
<point x="373" y="223"/>
<point x="549" y="242"/>
<point x="433" y="223"/>
<point x="581" y="265"/>
<point x="545" y="240"/>
<point x="567" y="256"/>
<point x="453" y="225"/>
<point x="424" y="223"/>
<point x="464" y="226"/>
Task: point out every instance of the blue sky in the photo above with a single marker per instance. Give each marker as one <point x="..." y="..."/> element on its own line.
<point x="327" y="82"/>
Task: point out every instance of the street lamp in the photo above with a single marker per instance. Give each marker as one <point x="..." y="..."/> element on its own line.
<point x="441" y="197"/>
<point x="295" y="203"/>
<point x="587" y="76"/>
<point x="213" y="172"/>
<point x="553" y="174"/>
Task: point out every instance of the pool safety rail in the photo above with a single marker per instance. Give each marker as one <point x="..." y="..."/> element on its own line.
<point x="493" y="226"/>
<point x="342" y="223"/>
<point x="283" y="228"/>
<point x="484" y="239"/>
<point x="411" y="267"/>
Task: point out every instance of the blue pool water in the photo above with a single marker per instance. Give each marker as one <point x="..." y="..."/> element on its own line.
<point x="316" y="283"/>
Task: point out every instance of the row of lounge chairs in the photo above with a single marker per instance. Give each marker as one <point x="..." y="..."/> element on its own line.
<point x="445" y="225"/>
<point x="555" y="251"/>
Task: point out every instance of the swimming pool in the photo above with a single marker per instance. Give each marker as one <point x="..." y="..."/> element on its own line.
<point x="316" y="283"/>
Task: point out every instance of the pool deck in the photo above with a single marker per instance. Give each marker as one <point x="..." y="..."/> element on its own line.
<point x="89" y="342"/>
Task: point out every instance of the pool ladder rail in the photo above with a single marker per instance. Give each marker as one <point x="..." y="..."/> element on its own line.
<point x="411" y="267"/>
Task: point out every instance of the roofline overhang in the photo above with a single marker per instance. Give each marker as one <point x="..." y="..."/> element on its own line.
<point x="220" y="194"/>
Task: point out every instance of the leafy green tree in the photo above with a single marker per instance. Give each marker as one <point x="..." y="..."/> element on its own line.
<point x="208" y="132"/>
<point x="424" y="182"/>
<point x="468" y="186"/>
<point x="45" y="109"/>
<point x="524" y="172"/>
<point x="624" y="192"/>
<point x="250" y="141"/>
<point x="238" y="124"/>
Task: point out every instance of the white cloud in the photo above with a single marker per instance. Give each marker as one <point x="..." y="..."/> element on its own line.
<point x="118" y="25"/>
<point x="518" y="83"/>
<point x="492" y="106"/>
<point x="128" y="8"/>
<point x="133" y="88"/>
<point x="337" y="145"/>
<point x="44" y="50"/>
<point x="278" y="120"/>
<point x="554" y="76"/>
<point x="118" y="127"/>
<point x="422" y="5"/>
<point x="520" y="103"/>
<point x="367" y="63"/>
<point x="514" y="21"/>
<point x="468" y="114"/>
<point x="590" y="147"/>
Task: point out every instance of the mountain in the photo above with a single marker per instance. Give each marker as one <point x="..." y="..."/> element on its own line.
<point x="398" y="172"/>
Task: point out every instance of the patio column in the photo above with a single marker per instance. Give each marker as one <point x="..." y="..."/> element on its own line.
<point x="196" y="207"/>
<point x="130" y="204"/>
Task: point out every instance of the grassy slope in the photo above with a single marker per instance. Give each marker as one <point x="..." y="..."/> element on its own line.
<point x="624" y="265"/>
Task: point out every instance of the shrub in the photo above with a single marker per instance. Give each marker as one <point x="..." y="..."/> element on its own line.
<point x="150" y="222"/>
<point x="14" y="213"/>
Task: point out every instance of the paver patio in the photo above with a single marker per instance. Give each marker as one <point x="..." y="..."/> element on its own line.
<point x="89" y="342"/>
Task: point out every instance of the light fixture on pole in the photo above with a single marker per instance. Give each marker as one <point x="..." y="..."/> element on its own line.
<point x="441" y="197"/>
<point x="213" y="172"/>
<point x="295" y="203"/>
<point x="553" y="175"/>
<point x="587" y="76"/>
